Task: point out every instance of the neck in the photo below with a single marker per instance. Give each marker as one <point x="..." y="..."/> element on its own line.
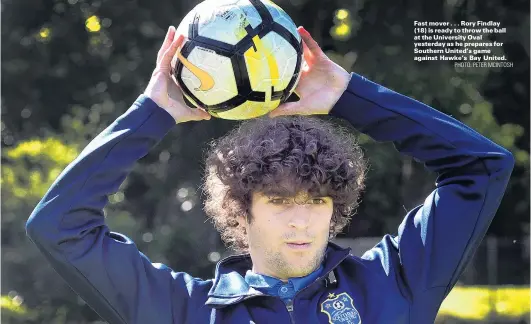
<point x="268" y="273"/>
<point x="284" y="278"/>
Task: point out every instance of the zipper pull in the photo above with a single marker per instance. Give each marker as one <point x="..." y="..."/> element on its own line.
<point x="289" y="305"/>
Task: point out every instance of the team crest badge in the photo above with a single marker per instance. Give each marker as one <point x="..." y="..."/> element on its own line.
<point x="340" y="309"/>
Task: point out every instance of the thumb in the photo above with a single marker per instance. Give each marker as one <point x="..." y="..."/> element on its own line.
<point x="200" y="114"/>
<point x="284" y="109"/>
<point x="194" y="114"/>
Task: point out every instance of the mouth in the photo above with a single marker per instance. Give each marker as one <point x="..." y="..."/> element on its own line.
<point x="298" y="245"/>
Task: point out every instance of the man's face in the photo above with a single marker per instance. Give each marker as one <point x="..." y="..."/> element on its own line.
<point x="288" y="236"/>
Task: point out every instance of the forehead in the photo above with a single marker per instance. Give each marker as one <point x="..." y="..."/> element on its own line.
<point x="293" y="192"/>
<point x="291" y="186"/>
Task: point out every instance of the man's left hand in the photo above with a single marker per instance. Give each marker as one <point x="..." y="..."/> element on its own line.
<point x="320" y="85"/>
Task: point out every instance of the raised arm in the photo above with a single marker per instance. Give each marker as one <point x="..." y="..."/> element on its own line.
<point x="437" y="239"/>
<point x="68" y="225"/>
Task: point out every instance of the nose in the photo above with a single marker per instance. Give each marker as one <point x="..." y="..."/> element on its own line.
<point x="299" y="217"/>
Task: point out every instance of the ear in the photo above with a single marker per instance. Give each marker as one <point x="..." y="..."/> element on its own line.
<point x="242" y="221"/>
<point x="331" y="228"/>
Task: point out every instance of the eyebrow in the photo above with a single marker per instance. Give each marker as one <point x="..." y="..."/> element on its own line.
<point x="273" y="195"/>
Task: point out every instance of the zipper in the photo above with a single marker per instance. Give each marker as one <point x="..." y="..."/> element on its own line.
<point x="289" y="307"/>
<point x="289" y="304"/>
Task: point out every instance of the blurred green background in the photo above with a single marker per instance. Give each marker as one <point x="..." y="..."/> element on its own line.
<point x="70" y="67"/>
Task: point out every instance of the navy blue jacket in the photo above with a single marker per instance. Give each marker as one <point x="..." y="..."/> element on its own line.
<point x="403" y="279"/>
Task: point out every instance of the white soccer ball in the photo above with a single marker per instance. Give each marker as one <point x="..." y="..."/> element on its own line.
<point x="240" y="59"/>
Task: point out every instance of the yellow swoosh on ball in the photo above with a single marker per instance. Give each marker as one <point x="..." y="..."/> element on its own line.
<point x="207" y="82"/>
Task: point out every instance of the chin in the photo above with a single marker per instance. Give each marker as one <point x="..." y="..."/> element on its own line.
<point x="300" y="272"/>
<point x="301" y="269"/>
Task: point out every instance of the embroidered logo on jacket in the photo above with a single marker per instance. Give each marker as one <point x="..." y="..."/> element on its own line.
<point x="340" y="309"/>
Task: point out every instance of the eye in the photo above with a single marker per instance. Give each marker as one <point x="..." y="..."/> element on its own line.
<point x="318" y="201"/>
<point x="278" y="201"/>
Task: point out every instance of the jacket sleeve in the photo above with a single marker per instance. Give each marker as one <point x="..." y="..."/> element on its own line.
<point x="437" y="239"/>
<point x="68" y="226"/>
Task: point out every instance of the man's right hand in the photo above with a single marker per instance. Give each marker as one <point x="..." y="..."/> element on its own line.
<point x="163" y="89"/>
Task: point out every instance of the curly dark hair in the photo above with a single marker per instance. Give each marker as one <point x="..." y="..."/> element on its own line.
<point x="281" y="156"/>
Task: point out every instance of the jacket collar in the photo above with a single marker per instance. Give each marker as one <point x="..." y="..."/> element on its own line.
<point x="229" y="284"/>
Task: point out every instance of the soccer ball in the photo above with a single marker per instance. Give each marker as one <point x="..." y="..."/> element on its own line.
<point x="240" y="58"/>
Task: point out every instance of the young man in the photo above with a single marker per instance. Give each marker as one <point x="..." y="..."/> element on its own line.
<point x="279" y="188"/>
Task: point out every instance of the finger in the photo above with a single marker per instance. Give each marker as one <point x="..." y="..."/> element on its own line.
<point x="313" y="46"/>
<point x="165" y="62"/>
<point x="308" y="56"/>
<point x="167" y="42"/>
